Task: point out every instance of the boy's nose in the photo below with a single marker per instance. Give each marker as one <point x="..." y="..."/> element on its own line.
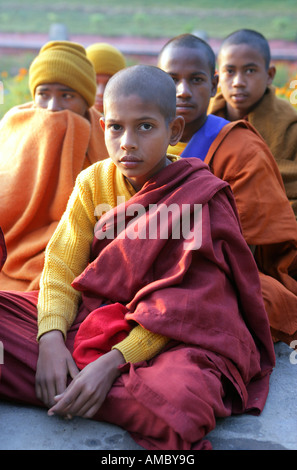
<point x="128" y="141"/>
<point x="238" y="80"/>
<point x="54" y="105"/>
<point x="183" y="89"/>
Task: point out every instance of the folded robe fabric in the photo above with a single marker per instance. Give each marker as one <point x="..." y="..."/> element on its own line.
<point x="207" y="298"/>
<point x="41" y="153"/>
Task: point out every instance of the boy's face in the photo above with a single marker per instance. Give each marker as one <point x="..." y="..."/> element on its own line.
<point x="194" y="83"/>
<point x="243" y="78"/>
<point x="137" y="137"/>
<point x="57" y="97"/>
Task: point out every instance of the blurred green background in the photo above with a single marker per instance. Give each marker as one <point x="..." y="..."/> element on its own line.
<point x="150" y="19"/>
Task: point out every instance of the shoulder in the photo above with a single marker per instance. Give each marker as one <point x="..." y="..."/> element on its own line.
<point x="96" y="173"/>
<point x="242" y="141"/>
<point x="274" y="106"/>
<point x="242" y="154"/>
<point x="194" y="178"/>
<point x="16" y="110"/>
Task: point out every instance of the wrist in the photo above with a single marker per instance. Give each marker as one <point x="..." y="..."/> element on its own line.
<point x="112" y="362"/>
<point x="53" y="335"/>
<point x="117" y="357"/>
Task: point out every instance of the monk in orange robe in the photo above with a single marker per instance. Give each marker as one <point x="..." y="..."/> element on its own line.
<point x="246" y="77"/>
<point x="44" y="144"/>
<point x="236" y="153"/>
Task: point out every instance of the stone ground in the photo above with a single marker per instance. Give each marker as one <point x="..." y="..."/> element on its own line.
<point x="29" y="428"/>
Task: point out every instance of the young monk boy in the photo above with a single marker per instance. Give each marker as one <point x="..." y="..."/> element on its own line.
<point x="246" y="76"/>
<point x="44" y="144"/>
<point x="107" y="60"/>
<point x="162" y="304"/>
<point x="237" y="154"/>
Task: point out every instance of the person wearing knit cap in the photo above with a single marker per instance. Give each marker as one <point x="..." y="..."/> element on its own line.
<point x="62" y="77"/>
<point x="107" y="60"/>
<point x="44" y="144"/>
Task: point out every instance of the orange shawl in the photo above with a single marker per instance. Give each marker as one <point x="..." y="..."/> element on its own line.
<point x="276" y="121"/>
<point x="41" y="153"/>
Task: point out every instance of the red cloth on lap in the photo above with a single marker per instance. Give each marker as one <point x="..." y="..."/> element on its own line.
<point x="102" y="329"/>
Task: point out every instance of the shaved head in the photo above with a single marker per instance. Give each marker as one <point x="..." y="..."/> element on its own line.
<point x="192" y="42"/>
<point x="150" y="83"/>
<point x="251" y="38"/>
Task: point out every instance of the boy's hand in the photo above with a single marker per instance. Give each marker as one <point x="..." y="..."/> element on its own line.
<point x="54" y="365"/>
<point x="86" y="393"/>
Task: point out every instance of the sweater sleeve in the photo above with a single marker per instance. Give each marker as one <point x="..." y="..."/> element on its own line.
<point x="66" y="256"/>
<point x="141" y="345"/>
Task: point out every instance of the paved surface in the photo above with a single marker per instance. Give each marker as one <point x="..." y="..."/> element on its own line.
<point x="29" y="428"/>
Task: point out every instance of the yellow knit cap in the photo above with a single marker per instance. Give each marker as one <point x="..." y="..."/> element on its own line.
<point x="105" y="58"/>
<point x="64" y="62"/>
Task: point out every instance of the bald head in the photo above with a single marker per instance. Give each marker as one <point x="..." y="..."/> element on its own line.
<point x="251" y="38"/>
<point x="150" y="83"/>
<point x="190" y="41"/>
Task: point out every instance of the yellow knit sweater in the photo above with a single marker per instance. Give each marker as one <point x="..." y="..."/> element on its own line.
<point x="68" y="253"/>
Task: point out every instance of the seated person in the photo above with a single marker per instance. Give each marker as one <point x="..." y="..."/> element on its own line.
<point x="246" y="76"/>
<point x="237" y="154"/>
<point x="168" y="330"/>
<point x="107" y="60"/>
<point x="44" y="144"/>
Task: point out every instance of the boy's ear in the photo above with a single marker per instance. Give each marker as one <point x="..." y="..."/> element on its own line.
<point x="102" y="123"/>
<point x="177" y="126"/>
<point x="271" y="74"/>
<point x="214" y="83"/>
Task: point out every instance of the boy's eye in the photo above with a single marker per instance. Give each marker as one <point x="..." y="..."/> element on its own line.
<point x="251" y="70"/>
<point x="145" y="126"/>
<point x="42" y="94"/>
<point x="114" y="127"/>
<point x="196" y="79"/>
<point x="68" y="96"/>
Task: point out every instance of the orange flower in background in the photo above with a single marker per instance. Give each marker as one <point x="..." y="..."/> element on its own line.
<point x="4" y="74"/>
<point x="21" y="75"/>
<point x="23" y="72"/>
